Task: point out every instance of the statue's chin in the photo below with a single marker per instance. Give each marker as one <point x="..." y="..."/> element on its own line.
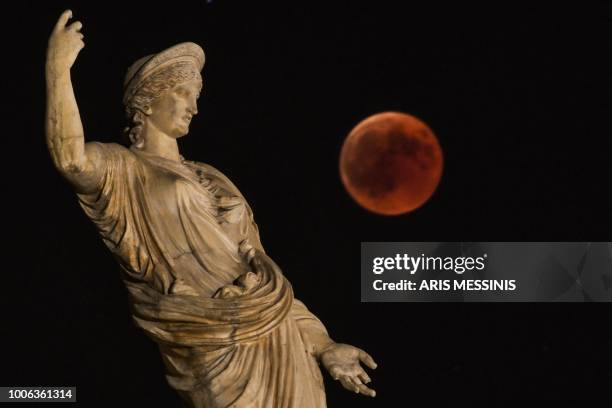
<point x="182" y="132"/>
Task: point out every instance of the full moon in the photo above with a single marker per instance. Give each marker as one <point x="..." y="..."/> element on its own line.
<point x="391" y="163"/>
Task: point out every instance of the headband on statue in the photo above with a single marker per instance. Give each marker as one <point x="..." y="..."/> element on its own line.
<point x="183" y="53"/>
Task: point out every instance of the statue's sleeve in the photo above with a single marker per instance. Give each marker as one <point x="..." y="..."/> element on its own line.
<point x="114" y="211"/>
<point x="104" y="205"/>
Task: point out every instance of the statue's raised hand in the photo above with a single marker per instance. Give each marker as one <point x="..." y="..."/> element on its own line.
<point x="65" y="43"/>
<point x="342" y="363"/>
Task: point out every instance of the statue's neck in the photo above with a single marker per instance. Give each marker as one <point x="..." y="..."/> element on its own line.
<point x="158" y="143"/>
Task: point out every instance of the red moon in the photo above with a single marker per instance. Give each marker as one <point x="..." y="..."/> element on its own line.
<point x="391" y="163"/>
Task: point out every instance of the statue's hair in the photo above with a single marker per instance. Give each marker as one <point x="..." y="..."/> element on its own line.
<point x="139" y="105"/>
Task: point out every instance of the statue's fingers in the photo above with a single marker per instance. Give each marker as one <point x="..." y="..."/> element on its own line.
<point x="61" y="22"/>
<point x="367" y="359"/>
<point x="335" y="372"/>
<point x="349" y="385"/>
<point x="365" y="378"/>
<point x="76" y="26"/>
<point x="363" y="389"/>
<point x="355" y="380"/>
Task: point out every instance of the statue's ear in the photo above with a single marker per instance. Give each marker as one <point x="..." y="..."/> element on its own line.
<point x="147" y="110"/>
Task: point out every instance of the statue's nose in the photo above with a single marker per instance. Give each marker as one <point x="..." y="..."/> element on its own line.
<point x="193" y="106"/>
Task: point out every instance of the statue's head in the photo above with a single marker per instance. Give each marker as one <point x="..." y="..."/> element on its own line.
<point x="161" y="90"/>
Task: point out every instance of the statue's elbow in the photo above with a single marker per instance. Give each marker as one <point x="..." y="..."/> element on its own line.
<point x="71" y="168"/>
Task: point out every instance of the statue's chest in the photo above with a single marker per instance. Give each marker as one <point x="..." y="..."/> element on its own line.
<point x="174" y="202"/>
<point x="176" y="199"/>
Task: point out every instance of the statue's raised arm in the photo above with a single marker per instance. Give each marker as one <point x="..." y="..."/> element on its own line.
<point x="78" y="163"/>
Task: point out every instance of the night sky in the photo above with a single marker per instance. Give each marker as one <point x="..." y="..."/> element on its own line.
<point x="519" y="98"/>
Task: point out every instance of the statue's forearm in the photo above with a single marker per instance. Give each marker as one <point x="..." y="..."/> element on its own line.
<point x="78" y="163"/>
<point x="317" y="339"/>
<point x="313" y="331"/>
<point x="64" y="130"/>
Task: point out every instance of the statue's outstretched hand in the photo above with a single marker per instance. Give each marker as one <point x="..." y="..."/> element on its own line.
<point x="342" y="363"/>
<point x="65" y="43"/>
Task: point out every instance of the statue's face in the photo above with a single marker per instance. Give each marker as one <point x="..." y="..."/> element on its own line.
<point x="172" y="112"/>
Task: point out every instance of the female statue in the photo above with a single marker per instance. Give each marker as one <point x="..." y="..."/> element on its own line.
<point x="229" y="330"/>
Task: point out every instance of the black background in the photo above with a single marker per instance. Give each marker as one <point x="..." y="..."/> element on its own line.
<point x="518" y="97"/>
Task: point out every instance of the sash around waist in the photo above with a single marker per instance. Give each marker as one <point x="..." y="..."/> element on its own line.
<point x="179" y="320"/>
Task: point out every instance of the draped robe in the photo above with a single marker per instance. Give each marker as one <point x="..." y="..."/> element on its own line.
<point x="176" y="229"/>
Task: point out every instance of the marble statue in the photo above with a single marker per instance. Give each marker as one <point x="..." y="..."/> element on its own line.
<point x="230" y="332"/>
